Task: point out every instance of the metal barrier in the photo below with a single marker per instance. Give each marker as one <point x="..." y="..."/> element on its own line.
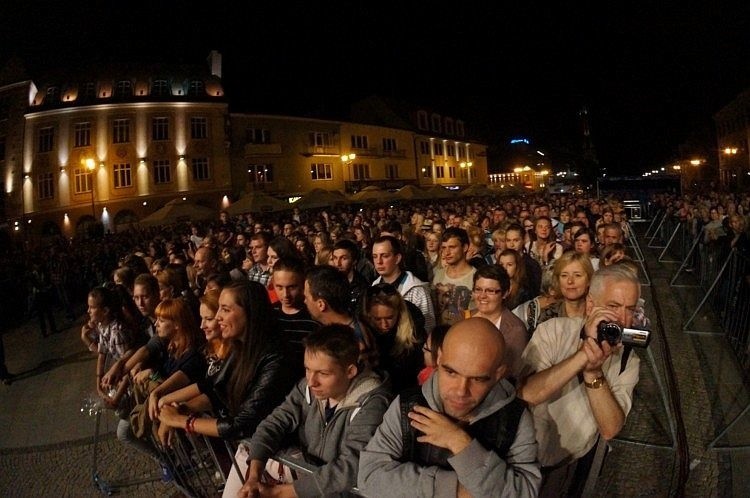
<point x="632" y="242"/>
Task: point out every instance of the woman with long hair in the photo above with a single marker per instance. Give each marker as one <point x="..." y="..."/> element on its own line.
<point x="584" y="243"/>
<point x="572" y="272"/>
<point x="512" y="261"/>
<point x="543" y="246"/>
<point x="398" y="329"/>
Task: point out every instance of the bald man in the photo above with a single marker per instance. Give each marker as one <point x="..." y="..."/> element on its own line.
<point x="434" y="440"/>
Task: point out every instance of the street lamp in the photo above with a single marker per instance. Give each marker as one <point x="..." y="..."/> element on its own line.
<point x="91" y="166"/>
<point x="467" y="166"/>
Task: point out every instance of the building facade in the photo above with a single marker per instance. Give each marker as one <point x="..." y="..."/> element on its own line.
<point x="115" y="149"/>
<point x="732" y="138"/>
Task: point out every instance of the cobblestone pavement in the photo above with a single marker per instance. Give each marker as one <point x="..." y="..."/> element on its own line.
<point x="46" y="447"/>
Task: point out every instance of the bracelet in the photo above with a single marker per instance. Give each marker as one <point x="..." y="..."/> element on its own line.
<point x="190" y="424"/>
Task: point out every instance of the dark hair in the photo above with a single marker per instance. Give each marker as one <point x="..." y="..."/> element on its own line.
<point x="437" y="336"/>
<point x="496" y="273"/>
<point x="257" y="337"/>
<point x="263" y="236"/>
<point x="392" y="226"/>
<point x="455" y="233"/>
<point x="329" y="284"/>
<point x="283" y="247"/>
<point x="348" y="245"/>
<point x="335" y="340"/>
<point x="293" y="264"/>
<point x="515" y="227"/>
<point x="136" y="263"/>
<point x="126" y="276"/>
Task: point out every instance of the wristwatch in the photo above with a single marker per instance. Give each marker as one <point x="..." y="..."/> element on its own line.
<point x="596" y="383"/>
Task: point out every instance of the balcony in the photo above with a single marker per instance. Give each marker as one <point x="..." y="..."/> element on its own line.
<point x="262" y="149"/>
<point x="322" y="150"/>
<point x="399" y="153"/>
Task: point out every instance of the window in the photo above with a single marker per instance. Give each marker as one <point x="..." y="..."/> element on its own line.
<point x="88" y="90"/>
<point x="391" y="171"/>
<point x="121" y="174"/>
<point x="160" y="129"/>
<point x="200" y="169"/>
<point x="436" y="123"/>
<point x="83" y="180"/>
<point x="320" y="139"/>
<point x="53" y="95"/>
<point x="449" y="126"/>
<point x="460" y="128"/>
<point x="359" y="141"/>
<point x="82" y="134"/>
<point x="198" y="128"/>
<point x="440" y="171"/>
<point x="422" y="120"/>
<point x="45" y="189"/>
<point x="361" y="171"/>
<point x="257" y="136"/>
<point x="438" y="146"/>
<point x="196" y="88"/>
<point x="46" y="139"/>
<point x="121" y="131"/>
<point x="424" y="147"/>
<point x="451" y="171"/>
<point x="461" y="153"/>
<point x="320" y="171"/>
<point x="451" y="150"/>
<point x="159" y="88"/>
<point x="162" y="171"/>
<point x="389" y="144"/>
<point x="260" y="173"/>
<point x="123" y="89"/>
<point x="427" y="171"/>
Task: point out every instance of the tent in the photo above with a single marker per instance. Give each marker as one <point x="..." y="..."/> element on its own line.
<point x="320" y="198"/>
<point x="257" y="202"/>
<point x="439" y="192"/>
<point x="478" y="190"/>
<point x="371" y="194"/>
<point x="176" y="211"/>
<point x="410" y="193"/>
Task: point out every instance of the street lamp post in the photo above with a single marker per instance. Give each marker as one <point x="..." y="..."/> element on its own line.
<point x="346" y="160"/>
<point x="91" y="166"/>
<point x="467" y="166"/>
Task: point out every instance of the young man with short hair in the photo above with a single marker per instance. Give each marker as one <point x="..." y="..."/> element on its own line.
<point x="344" y="258"/>
<point x="333" y="412"/>
<point x="453" y="280"/>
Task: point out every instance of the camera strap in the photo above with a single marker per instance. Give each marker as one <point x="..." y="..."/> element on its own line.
<point x="624" y="360"/>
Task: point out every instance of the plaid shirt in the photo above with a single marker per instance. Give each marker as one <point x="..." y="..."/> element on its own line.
<point x="260" y="275"/>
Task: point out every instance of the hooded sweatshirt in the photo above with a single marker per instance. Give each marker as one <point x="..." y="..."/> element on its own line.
<point x="479" y="470"/>
<point x="333" y="446"/>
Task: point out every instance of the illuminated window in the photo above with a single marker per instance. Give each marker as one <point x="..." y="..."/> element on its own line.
<point x="120" y="131"/>
<point x="122" y="175"/>
<point x="321" y="171"/>
<point x="162" y="171"/>
<point x="82" y="134"/>
<point x="83" y="179"/>
<point x="260" y="173"/>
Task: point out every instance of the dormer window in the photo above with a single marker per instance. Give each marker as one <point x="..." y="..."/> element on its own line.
<point x="196" y="88"/>
<point x="123" y="89"/>
<point x="160" y="88"/>
<point x="53" y="95"/>
<point x="436" y="123"/>
<point x="422" y="123"/>
<point x="460" y="128"/>
<point x="88" y="90"/>
<point x="449" y="126"/>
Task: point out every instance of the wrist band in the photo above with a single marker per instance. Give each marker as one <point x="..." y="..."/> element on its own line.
<point x="190" y="424"/>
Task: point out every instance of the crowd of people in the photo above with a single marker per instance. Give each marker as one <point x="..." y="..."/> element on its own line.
<point x="418" y="350"/>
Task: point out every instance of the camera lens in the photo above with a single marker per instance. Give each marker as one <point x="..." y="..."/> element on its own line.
<point x="610" y="332"/>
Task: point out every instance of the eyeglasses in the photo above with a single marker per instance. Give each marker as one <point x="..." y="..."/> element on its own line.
<point x="489" y="292"/>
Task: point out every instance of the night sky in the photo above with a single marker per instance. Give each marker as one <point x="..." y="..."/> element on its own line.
<point x="650" y="76"/>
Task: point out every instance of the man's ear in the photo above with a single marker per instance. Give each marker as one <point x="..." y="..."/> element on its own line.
<point x="501" y="372"/>
<point x="589" y="304"/>
<point x="439" y="356"/>
<point x="351" y="371"/>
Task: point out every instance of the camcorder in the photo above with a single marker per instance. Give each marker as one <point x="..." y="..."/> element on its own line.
<point x="614" y="334"/>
